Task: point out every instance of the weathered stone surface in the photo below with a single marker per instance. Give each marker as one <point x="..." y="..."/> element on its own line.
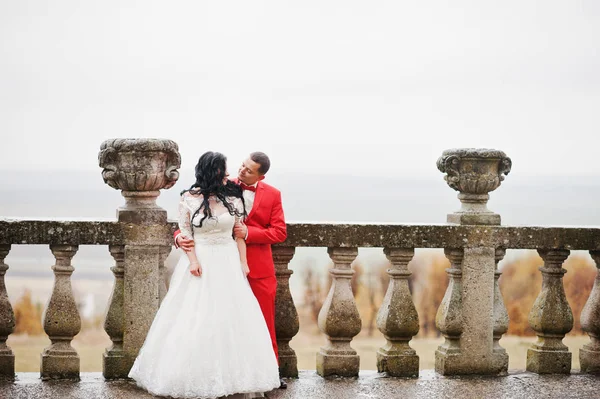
<point x="139" y="165"/>
<point x="441" y="236"/>
<point x="589" y="355"/>
<point x="474" y="173"/>
<point x="113" y="359"/>
<point x="16" y="231"/>
<point x="474" y="311"/>
<point x="448" y="318"/>
<point x="397" y="319"/>
<point x="286" y="315"/>
<point x="474" y="170"/>
<point x="61" y="320"/>
<point x="477" y="338"/>
<point x="56" y="232"/>
<point x="369" y="384"/>
<point x="551" y="318"/>
<point x="141" y="296"/>
<point x="145" y="249"/>
<point x="500" y="318"/>
<point x="339" y="319"/>
<point x="7" y="321"/>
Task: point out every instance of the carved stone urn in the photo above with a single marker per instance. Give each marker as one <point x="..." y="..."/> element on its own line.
<point x="140" y="168"/>
<point x="474" y="172"/>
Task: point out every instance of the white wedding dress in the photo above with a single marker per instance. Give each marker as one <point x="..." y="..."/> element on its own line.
<point x="209" y="337"/>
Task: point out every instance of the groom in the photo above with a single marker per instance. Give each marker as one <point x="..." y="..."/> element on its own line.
<point x="265" y="225"/>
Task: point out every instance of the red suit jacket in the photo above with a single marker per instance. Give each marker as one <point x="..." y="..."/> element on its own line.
<point x="266" y="226"/>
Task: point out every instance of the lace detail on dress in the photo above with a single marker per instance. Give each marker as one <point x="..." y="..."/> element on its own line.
<point x="217" y="239"/>
<point x="185" y="215"/>
<point x="221" y="223"/>
<point x="239" y="207"/>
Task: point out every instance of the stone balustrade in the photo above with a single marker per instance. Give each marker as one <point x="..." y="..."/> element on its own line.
<point x="471" y="317"/>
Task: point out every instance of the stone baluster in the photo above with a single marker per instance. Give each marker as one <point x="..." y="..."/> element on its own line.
<point x="551" y="318"/>
<point x="397" y="319"/>
<point x="589" y="355"/>
<point x="449" y="316"/>
<point x="61" y="320"/>
<point x="140" y="168"/>
<point x="474" y="173"/>
<point x="7" y="322"/>
<point x="500" y="317"/>
<point x="113" y="361"/>
<point x="286" y="316"/>
<point x="339" y="319"/>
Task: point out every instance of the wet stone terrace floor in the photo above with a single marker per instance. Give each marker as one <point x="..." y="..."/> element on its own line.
<point x="517" y="384"/>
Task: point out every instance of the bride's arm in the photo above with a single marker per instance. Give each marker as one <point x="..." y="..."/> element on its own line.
<point x="241" y="244"/>
<point x="186" y="230"/>
<point x="195" y="267"/>
<point x="242" y="248"/>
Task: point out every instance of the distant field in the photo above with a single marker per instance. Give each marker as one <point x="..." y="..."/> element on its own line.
<point x="91" y="344"/>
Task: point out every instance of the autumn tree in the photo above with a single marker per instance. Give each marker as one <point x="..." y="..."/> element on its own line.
<point x="521" y="283"/>
<point x="313" y="293"/>
<point x="28" y="316"/>
<point x="578" y="281"/>
<point x="373" y="286"/>
<point x="428" y="281"/>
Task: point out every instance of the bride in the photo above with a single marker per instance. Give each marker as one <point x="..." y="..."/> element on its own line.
<point x="209" y="337"/>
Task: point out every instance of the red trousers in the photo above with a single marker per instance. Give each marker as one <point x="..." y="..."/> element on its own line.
<point x="264" y="290"/>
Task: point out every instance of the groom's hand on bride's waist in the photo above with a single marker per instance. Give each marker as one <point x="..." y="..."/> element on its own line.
<point x="185" y="243"/>
<point x="240" y="230"/>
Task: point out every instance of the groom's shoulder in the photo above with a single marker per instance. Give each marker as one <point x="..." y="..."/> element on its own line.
<point x="270" y="188"/>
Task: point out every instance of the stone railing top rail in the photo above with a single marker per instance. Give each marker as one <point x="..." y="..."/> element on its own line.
<point x="20" y="231"/>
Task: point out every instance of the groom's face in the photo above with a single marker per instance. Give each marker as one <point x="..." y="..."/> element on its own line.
<point x="248" y="172"/>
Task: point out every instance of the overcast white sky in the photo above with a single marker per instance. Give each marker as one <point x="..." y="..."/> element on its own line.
<point x="358" y="87"/>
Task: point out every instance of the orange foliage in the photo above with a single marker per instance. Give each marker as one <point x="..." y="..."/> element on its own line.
<point x="521" y="283"/>
<point x="578" y="282"/>
<point x="428" y="282"/>
<point x="28" y="317"/>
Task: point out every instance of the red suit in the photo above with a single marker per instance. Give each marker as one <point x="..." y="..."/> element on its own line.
<point x="266" y="226"/>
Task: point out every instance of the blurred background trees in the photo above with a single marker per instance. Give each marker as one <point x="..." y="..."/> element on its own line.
<point x="520" y="284"/>
<point x="28" y="316"/>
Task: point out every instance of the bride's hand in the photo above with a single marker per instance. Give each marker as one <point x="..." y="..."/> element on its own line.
<point x="245" y="269"/>
<point x="196" y="269"/>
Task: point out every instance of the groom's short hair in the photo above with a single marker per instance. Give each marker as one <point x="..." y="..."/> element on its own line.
<point x="263" y="160"/>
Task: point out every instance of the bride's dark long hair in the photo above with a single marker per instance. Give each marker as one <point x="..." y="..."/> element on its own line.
<point x="210" y="173"/>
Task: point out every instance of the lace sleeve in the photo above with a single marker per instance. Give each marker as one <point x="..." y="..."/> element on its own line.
<point x="239" y="207"/>
<point x="185" y="225"/>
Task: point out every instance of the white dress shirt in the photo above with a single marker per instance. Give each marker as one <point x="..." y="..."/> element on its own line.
<point x="249" y="198"/>
<point x="249" y="201"/>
